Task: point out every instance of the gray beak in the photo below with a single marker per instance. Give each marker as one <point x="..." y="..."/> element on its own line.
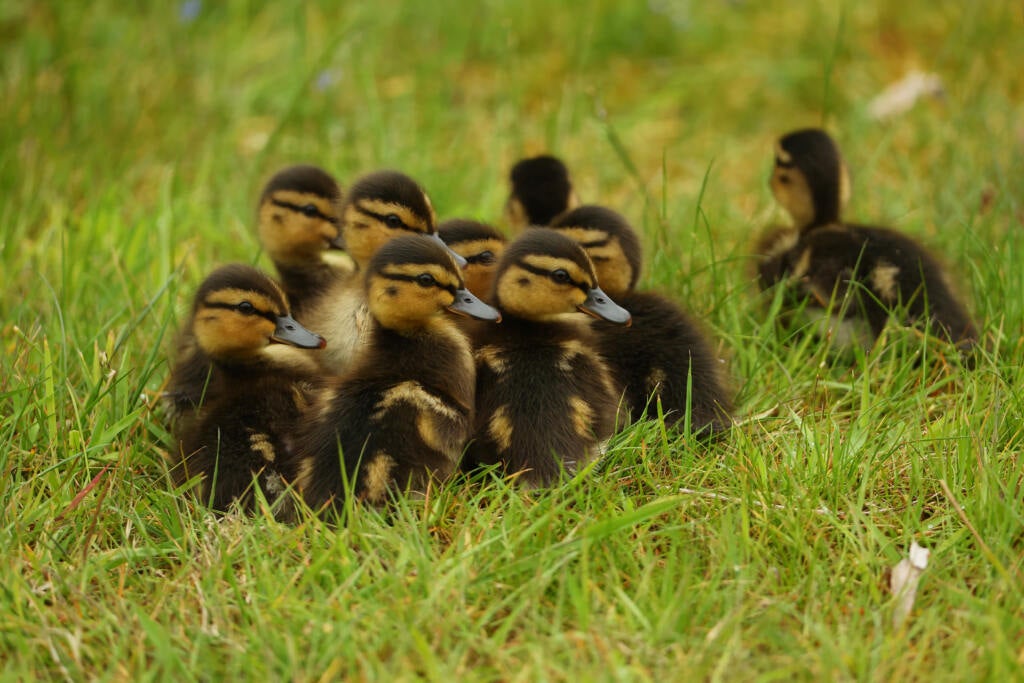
<point x="599" y="305"/>
<point x="466" y="303"/>
<point x="289" y="331"/>
<point x="458" y="258"/>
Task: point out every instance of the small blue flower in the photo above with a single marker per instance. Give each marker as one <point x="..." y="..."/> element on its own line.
<point x="189" y="10"/>
<point x="324" y="80"/>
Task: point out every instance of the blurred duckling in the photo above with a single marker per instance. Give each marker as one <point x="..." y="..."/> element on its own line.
<point x="481" y="245"/>
<point x="247" y="385"/>
<point x="850" y="279"/>
<point x="665" y="355"/>
<point x="545" y="399"/>
<point x="403" y="412"/>
<point x="300" y="229"/>
<point x="378" y="208"/>
<point x="541" y="189"/>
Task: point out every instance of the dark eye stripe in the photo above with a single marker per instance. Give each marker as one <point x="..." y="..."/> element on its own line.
<point x="415" y="278"/>
<point x="382" y="217"/>
<point x="596" y="243"/>
<point x="298" y="209"/>
<point x="547" y="273"/>
<point x="234" y="307"/>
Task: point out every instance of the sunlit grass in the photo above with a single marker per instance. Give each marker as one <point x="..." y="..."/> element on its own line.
<point x="135" y="145"/>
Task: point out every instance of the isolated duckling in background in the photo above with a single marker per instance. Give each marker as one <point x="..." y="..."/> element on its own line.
<point x="300" y="229"/>
<point x="544" y="397"/>
<point x="378" y="208"/>
<point x="480" y="244"/>
<point x="402" y="414"/>
<point x="541" y="189"/>
<point x="864" y="274"/>
<point x="250" y="387"/>
<point x="664" y="350"/>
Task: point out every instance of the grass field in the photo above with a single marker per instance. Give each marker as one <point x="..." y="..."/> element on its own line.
<point x="133" y="145"/>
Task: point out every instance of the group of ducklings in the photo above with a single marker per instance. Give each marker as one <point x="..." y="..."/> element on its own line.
<point x="447" y="347"/>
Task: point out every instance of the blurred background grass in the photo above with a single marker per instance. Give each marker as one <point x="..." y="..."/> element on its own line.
<point x="133" y="145"/>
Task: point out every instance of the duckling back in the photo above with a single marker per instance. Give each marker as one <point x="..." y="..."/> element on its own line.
<point x="545" y="399"/>
<point x="665" y="356"/>
<point x="540" y="190"/>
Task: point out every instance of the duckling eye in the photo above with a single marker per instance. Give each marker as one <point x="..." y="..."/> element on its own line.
<point x="309" y="210"/>
<point x="393" y="221"/>
<point x="784" y="179"/>
<point x="485" y="257"/>
<point x="425" y="280"/>
<point x="245" y="308"/>
<point x="561" y="276"/>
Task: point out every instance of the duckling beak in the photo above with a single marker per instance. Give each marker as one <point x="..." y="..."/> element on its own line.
<point x="459" y="259"/>
<point x="599" y="305"/>
<point x="466" y="303"/>
<point x="289" y="331"/>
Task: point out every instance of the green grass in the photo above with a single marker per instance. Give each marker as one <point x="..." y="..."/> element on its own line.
<point x="132" y="150"/>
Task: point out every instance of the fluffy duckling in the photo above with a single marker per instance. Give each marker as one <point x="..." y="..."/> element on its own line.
<point x="378" y="208"/>
<point x="541" y="189"/>
<point x="664" y="349"/>
<point x="858" y="276"/>
<point x="480" y="244"/>
<point x="402" y="414"/>
<point x="545" y="399"/>
<point x="299" y="228"/>
<point x="246" y="386"/>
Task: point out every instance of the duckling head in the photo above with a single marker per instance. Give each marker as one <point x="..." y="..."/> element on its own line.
<point x="544" y="275"/>
<point x="239" y="311"/>
<point x="810" y="179"/>
<point x="541" y="189"/>
<point x="299" y="215"/>
<point x="381" y="206"/>
<point x="610" y="242"/>
<point x="413" y="281"/>
<point x="480" y="244"/>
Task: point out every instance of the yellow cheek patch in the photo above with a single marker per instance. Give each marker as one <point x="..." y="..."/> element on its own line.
<point x="499" y="428"/>
<point x="515" y="214"/>
<point x="381" y="208"/>
<point x="782" y="155"/>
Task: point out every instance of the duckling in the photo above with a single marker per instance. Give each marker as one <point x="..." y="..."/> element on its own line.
<point x="545" y="399"/>
<point x="403" y="412"/>
<point x="299" y="228"/>
<point x="378" y="207"/>
<point x="870" y="273"/>
<point x="247" y="387"/>
<point x="480" y="244"/>
<point x="541" y="189"/>
<point x="664" y="349"/>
